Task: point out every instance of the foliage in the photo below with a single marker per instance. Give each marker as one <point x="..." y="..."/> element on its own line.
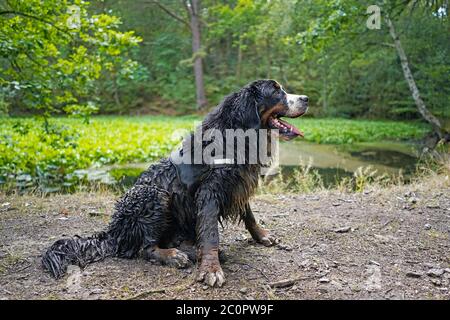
<point x="321" y="48"/>
<point x="31" y="156"/>
<point x="53" y="54"/>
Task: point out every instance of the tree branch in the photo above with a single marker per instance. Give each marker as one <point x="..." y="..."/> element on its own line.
<point x="170" y="13"/>
<point x="190" y="12"/>
<point x="26" y="15"/>
<point x="384" y="44"/>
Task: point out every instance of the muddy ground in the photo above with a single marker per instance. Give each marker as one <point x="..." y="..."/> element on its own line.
<point x="381" y="244"/>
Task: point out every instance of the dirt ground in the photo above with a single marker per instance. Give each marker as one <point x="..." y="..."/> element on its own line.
<point x="381" y="244"/>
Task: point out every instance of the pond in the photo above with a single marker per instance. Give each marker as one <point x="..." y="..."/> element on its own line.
<point x="332" y="162"/>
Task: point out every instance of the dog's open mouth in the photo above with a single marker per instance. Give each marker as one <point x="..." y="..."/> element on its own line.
<point x="286" y="130"/>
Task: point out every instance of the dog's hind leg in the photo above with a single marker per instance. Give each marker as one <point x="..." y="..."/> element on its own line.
<point x="171" y="257"/>
<point x="142" y="216"/>
<point x="259" y="234"/>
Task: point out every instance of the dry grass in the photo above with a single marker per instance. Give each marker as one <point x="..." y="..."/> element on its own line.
<point x="305" y="179"/>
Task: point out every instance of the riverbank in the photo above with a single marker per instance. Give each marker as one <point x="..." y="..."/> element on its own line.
<point x="31" y="157"/>
<point x="383" y="243"/>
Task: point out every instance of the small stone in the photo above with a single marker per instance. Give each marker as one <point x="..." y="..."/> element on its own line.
<point x="324" y="280"/>
<point x="355" y="288"/>
<point x="96" y="291"/>
<point x="447" y="270"/>
<point x="435" y="273"/>
<point x="436" y="282"/>
<point x="413" y="200"/>
<point x="205" y="287"/>
<point x="336" y="204"/>
<point x="413" y="274"/>
<point x="284" y="247"/>
<point x="343" y="230"/>
<point x="427" y="226"/>
<point x="374" y="262"/>
<point x="243" y="290"/>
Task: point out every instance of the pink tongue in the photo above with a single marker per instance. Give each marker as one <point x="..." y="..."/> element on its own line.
<point x="293" y="129"/>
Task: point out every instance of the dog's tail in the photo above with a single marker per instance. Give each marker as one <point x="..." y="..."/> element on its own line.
<point x="78" y="251"/>
<point x="140" y="218"/>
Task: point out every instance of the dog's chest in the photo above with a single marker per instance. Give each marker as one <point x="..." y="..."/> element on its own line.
<point x="241" y="186"/>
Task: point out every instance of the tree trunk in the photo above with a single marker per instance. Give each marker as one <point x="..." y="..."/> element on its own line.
<point x="427" y="115"/>
<point x="198" y="60"/>
<point x="193" y="9"/>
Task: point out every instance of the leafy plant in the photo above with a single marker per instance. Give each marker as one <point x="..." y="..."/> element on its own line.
<point x="31" y="156"/>
<point x="53" y="53"/>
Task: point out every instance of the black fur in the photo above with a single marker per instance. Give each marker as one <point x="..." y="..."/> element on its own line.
<point x="174" y="203"/>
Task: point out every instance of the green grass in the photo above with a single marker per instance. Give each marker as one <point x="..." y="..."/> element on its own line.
<point x="30" y="156"/>
<point x="344" y="131"/>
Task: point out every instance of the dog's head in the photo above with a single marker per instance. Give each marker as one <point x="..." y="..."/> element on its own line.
<point x="265" y="102"/>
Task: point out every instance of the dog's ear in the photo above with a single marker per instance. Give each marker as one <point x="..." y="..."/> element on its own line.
<point x="248" y="103"/>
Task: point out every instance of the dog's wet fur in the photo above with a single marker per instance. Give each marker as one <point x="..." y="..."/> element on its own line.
<point x="171" y="214"/>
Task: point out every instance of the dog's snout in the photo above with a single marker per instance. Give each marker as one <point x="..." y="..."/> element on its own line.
<point x="303" y="98"/>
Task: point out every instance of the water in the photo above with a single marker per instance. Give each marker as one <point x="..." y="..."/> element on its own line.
<point x="332" y="162"/>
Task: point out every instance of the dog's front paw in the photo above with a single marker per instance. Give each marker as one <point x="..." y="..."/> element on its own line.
<point x="212" y="275"/>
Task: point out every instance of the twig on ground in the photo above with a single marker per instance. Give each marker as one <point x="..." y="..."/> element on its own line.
<point x="161" y="290"/>
<point x="281" y="215"/>
<point x="147" y="293"/>
<point x="287" y="282"/>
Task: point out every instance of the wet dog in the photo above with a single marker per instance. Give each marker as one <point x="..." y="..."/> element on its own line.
<point x="172" y="213"/>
